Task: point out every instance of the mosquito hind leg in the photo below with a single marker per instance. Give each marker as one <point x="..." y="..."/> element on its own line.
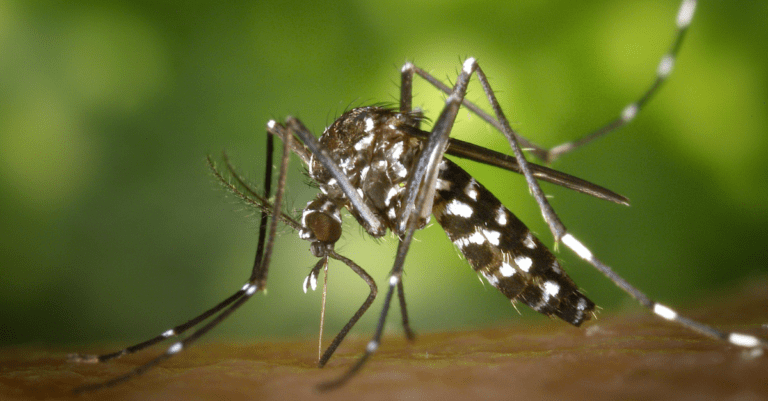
<point x="256" y="282"/>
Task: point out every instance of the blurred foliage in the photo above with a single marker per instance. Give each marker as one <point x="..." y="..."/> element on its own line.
<point x="112" y="228"/>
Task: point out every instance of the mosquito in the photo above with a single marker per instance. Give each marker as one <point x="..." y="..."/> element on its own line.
<point x="391" y="175"/>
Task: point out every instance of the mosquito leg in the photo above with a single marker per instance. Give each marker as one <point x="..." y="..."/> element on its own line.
<point x="173" y="332"/>
<point x="683" y="21"/>
<point x="419" y="193"/>
<point x="255" y="283"/>
<point x="666" y="64"/>
<point x="177" y="330"/>
<point x="394" y="279"/>
<point x="360" y="312"/>
<point x="665" y="312"/>
<point x="424" y="174"/>
<point x="409" y="334"/>
<point x="561" y="234"/>
<point x="466" y="103"/>
<point x="322" y="312"/>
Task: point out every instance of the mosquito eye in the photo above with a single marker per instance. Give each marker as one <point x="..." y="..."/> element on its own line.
<point x="325" y="228"/>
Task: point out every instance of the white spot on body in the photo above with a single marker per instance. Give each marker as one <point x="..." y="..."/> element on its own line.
<point x="469" y="65"/>
<point x="360" y="192"/>
<point x="629" y="113"/>
<point x="551" y="289"/>
<point x="397" y="150"/>
<point x="365" y="142"/>
<point x="345" y="163"/>
<point x="556" y="267"/>
<point x="271" y="124"/>
<point x="471" y="190"/>
<point x="577" y="246"/>
<point x="245" y="286"/>
<point x="582" y="305"/>
<point x="169" y="333"/>
<point x="390" y="194"/>
<point x="665" y="66"/>
<point x="507" y="270"/>
<point x="743" y="340"/>
<point x="524" y="263"/>
<point x="492" y="280"/>
<point x="458" y="208"/>
<point x="368" y="124"/>
<point x="391" y="213"/>
<point x="501" y="216"/>
<point x="406" y="67"/>
<point x="664" y="312"/>
<point x="477" y="238"/>
<point x="442" y="185"/>
<point x="393" y="280"/>
<point x="492" y="236"/>
<point x="175" y="348"/>
<point x="528" y="241"/>
<point x="685" y="15"/>
<point x="304" y="215"/>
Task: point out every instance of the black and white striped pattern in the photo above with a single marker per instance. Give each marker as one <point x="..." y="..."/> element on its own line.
<point x="502" y="249"/>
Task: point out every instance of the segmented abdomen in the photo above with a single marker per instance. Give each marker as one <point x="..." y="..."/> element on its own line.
<point x="501" y="248"/>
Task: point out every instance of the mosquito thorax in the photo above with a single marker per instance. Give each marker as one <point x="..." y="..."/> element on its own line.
<point x="373" y="150"/>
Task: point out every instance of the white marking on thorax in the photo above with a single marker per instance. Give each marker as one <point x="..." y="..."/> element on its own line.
<point x="365" y="142"/>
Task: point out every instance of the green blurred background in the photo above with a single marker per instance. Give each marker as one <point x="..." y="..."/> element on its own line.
<point x="113" y="229"/>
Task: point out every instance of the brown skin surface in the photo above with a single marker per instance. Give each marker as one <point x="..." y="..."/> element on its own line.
<point x="629" y="356"/>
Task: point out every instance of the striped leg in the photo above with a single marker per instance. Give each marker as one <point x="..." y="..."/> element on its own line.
<point x="664" y="69"/>
<point x="256" y="282"/>
<point x="738" y="339"/>
<point x="560" y="233"/>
